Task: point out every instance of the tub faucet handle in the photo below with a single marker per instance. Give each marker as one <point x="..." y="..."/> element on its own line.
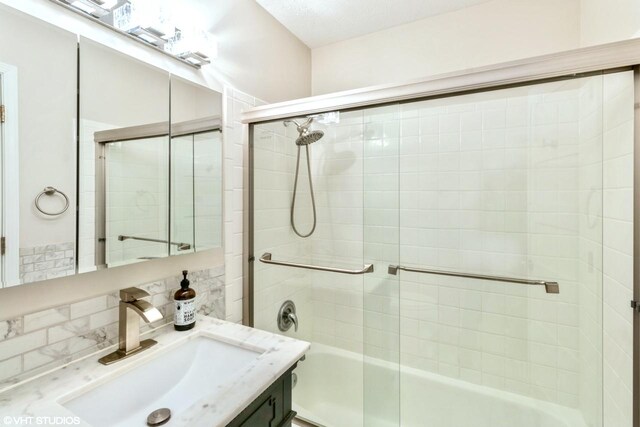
<point x="294" y="319"/>
<point x="287" y="316"/>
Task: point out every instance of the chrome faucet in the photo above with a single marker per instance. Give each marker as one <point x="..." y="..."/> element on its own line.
<point x="131" y="309"/>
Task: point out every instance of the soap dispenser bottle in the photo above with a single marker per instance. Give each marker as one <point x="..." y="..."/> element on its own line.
<point x="185" y="305"/>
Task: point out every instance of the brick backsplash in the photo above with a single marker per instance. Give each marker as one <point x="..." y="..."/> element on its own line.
<point x="43" y="340"/>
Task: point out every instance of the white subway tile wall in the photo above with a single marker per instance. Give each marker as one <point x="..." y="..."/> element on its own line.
<point x="274" y="167"/>
<point x="617" y="317"/>
<point x="491" y="188"/>
<point x="235" y="150"/>
<point x="47" y="262"/>
<point x="589" y="343"/>
<point x="43" y="340"/>
<point x="137" y="199"/>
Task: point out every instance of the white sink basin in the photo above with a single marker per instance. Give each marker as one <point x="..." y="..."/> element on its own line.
<point x="175" y="379"/>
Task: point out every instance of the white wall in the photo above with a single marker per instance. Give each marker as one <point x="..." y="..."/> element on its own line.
<point x="604" y="21"/>
<point x="257" y="55"/>
<point x="489" y="33"/>
<point x="497" y="31"/>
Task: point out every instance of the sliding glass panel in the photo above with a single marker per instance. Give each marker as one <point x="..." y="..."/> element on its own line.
<point x="136" y="200"/>
<point x="182" y="195"/>
<point x="505" y="183"/>
<point x="196" y="192"/>
<point x="329" y="304"/>
<point x="499" y="225"/>
<point x="207" y="168"/>
<point x="196" y="167"/>
<point x="381" y="290"/>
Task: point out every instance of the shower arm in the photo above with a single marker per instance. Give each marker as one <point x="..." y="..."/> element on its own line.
<point x="304" y="125"/>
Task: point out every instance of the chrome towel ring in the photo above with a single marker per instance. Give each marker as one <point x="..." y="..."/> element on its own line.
<point x="50" y="191"/>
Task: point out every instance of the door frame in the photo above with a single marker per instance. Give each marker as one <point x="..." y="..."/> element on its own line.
<point x="10" y="196"/>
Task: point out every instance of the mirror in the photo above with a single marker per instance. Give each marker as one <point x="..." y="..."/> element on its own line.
<point x="124" y="153"/>
<point x="38" y="86"/>
<point x="196" y="167"/>
<point x="124" y="159"/>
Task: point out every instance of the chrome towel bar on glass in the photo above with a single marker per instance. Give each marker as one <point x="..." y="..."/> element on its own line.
<point x="550" y="287"/>
<point x="181" y="246"/>
<point x="50" y="191"/>
<point x="266" y="258"/>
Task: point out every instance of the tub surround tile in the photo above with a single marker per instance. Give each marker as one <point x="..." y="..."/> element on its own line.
<point x="39" y="396"/>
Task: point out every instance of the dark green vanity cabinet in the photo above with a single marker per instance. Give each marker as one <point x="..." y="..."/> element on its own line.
<point x="272" y="408"/>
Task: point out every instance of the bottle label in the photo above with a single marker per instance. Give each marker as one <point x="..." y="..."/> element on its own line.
<point x="185" y="312"/>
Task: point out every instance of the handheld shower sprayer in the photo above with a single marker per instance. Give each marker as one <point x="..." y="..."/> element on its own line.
<point x="305" y="138"/>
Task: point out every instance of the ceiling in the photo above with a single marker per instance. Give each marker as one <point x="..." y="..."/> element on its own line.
<point x="321" y="22"/>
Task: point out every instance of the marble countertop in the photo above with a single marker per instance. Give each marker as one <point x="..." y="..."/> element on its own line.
<point x="40" y="400"/>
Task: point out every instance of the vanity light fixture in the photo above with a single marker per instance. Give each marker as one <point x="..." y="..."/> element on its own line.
<point x="151" y="22"/>
<point x="84" y="6"/>
<point x="195" y="58"/>
<point x="148" y="36"/>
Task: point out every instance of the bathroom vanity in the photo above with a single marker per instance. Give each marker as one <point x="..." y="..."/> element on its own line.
<point x="218" y="374"/>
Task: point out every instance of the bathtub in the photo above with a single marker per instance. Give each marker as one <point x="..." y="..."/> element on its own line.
<point x="329" y="392"/>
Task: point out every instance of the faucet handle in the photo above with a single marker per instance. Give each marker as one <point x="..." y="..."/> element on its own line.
<point x="294" y="319"/>
<point x="132" y="294"/>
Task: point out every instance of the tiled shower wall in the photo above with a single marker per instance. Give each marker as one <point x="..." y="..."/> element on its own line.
<point x="235" y="151"/>
<point x="617" y="316"/>
<point x="590" y="166"/>
<point x="43" y="340"/>
<point x="463" y="206"/>
<point x="274" y="167"/>
<point x="507" y="183"/>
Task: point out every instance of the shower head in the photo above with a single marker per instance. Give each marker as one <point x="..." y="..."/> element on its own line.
<point x="306" y="136"/>
<point x="309" y="137"/>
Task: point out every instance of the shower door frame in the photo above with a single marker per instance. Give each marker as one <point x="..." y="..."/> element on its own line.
<point x="583" y="62"/>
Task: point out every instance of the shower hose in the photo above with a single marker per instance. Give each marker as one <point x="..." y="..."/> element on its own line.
<point x="295" y="191"/>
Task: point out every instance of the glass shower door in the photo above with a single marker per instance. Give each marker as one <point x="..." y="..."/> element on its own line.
<point x="499" y="224"/>
<point x="136" y="200"/>
<point x="329" y="305"/>
<point x="381" y="367"/>
<point x="505" y="183"/>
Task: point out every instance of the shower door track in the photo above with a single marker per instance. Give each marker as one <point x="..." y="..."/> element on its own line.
<point x="595" y="60"/>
